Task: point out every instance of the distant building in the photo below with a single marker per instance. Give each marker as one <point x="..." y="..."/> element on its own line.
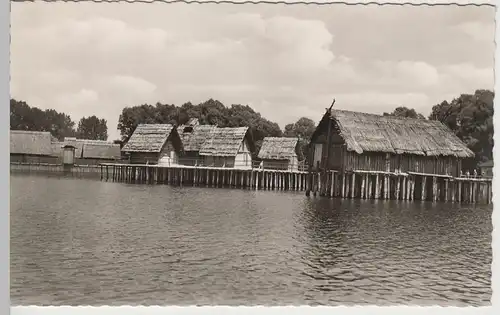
<point x="360" y="141"/>
<point x="154" y="144"/>
<point x="279" y="153"/>
<point x="486" y="168"/>
<point x="92" y="152"/>
<point x="34" y="147"/>
<point x="228" y="147"/>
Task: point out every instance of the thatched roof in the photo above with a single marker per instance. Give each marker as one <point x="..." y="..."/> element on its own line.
<point x="278" y="148"/>
<point x="224" y="141"/>
<point x="374" y="133"/>
<point x="93" y="149"/>
<point x="193" y="140"/>
<point x="32" y="142"/>
<point x="148" y="138"/>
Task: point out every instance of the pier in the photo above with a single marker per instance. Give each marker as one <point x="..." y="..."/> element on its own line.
<point x="180" y="175"/>
<point x="410" y="186"/>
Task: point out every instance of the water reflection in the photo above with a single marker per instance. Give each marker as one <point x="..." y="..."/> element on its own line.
<point x="91" y="242"/>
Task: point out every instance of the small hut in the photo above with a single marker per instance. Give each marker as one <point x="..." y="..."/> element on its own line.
<point x="34" y="147"/>
<point x="279" y="153"/>
<point x="228" y="147"/>
<point x="348" y="141"/>
<point x="93" y="152"/>
<point x="193" y="138"/>
<point x="486" y="168"/>
<point x="154" y="144"/>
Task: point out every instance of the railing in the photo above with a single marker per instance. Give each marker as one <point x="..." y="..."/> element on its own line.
<point x="231" y="163"/>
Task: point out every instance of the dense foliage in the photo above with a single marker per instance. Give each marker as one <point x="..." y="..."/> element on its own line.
<point x="302" y="129"/>
<point x="60" y="125"/>
<point x="92" y="128"/>
<point x="470" y="117"/>
<point x="24" y="117"/>
<point x="405" y="112"/>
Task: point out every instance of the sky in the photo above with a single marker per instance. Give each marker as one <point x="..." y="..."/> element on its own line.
<point x="286" y="62"/>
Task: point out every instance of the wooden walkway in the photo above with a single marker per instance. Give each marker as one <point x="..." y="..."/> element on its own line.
<point x="205" y="176"/>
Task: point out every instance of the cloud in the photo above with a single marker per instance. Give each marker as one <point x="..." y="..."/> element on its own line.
<point x="284" y="61"/>
<point x="478" y="30"/>
<point x="81" y="99"/>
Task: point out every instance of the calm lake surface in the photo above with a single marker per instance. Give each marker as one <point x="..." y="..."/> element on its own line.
<point x="76" y="241"/>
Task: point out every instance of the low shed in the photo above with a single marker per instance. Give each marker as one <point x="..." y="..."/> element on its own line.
<point x="228" y="147"/>
<point x="92" y="152"/>
<point x="154" y="144"/>
<point x="279" y="153"/>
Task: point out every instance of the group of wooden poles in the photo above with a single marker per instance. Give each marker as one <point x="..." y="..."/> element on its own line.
<point x="353" y="184"/>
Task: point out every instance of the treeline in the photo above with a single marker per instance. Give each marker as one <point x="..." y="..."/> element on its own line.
<point x="469" y="116"/>
<point x="24" y="117"/>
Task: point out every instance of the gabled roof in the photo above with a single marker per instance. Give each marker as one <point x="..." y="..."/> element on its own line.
<point x="193" y="140"/>
<point x="32" y="142"/>
<point x="148" y="138"/>
<point x="93" y="149"/>
<point x="224" y="141"/>
<point x="278" y="148"/>
<point x="375" y="133"/>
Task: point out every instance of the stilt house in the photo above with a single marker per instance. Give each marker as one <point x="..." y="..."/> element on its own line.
<point x="279" y="153"/>
<point x="193" y="136"/>
<point x="349" y="141"/>
<point x="154" y="144"/>
<point x="228" y="147"/>
<point x="34" y="147"/>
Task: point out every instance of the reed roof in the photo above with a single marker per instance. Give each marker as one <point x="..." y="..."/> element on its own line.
<point x="148" y="138"/>
<point x="364" y="132"/>
<point x="224" y="141"/>
<point x="93" y="149"/>
<point x="193" y="140"/>
<point x="278" y="148"/>
<point x="32" y="142"/>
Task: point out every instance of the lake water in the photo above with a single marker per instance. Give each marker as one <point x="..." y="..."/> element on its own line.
<point x="76" y="241"/>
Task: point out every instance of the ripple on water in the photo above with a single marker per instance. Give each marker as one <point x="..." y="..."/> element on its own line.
<point x="88" y="242"/>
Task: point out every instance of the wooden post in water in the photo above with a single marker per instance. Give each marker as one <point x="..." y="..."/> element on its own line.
<point x="434" y="188"/>
<point x="423" y="195"/>
<point x="446" y="189"/>
<point x="377" y="186"/>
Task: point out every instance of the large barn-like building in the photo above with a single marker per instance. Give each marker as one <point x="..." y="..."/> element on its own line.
<point x="34" y="147"/>
<point x="154" y="144"/>
<point x="350" y="141"/>
<point x="279" y="153"/>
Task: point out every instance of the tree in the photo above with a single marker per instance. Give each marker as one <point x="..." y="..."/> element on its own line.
<point x="302" y="129"/>
<point x="405" y="112"/>
<point x="24" y="117"/>
<point x="92" y="128"/>
<point x="470" y="117"/>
